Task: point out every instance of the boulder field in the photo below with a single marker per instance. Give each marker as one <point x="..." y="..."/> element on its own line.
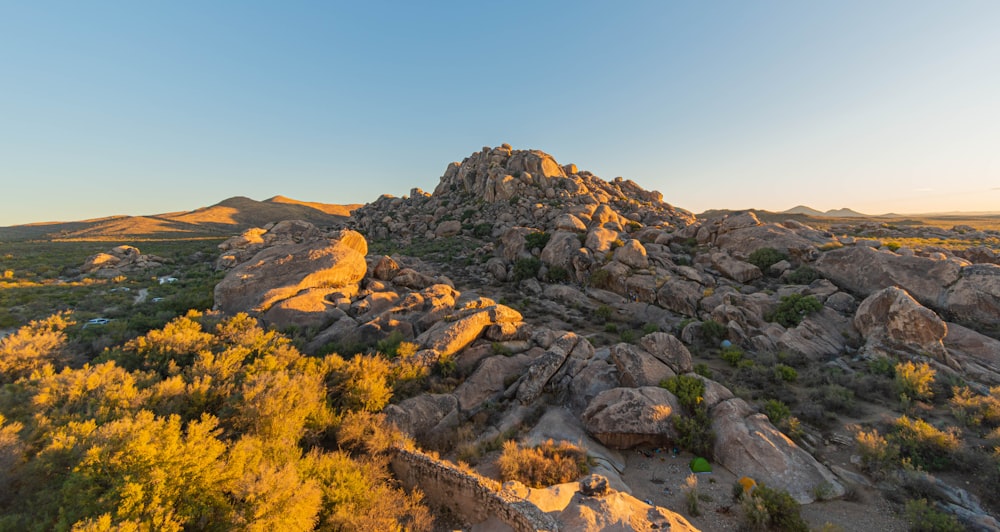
<point x="507" y="231"/>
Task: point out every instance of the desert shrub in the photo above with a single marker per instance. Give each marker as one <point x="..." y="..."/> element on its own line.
<point x="526" y="268"/>
<point x="689" y="390"/>
<point x="702" y="369"/>
<point x="557" y="274"/>
<point x="785" y="373"/>
<point x="633" y="226"/>
<point x="732" y="355"/>
<point x="499" y="348"/>
<point x="877" y="453"/>
<point x="600" y="279"/>
<point x="923" y="444"/>
<point x="924" y="518"/>
<point x="604" y="313"/>
<point x="628" y="336"/>
<point x="545" y="465"/>
<point x="914" y="380"/>
<point x="691" y="494"/>
<point x="536" y="240"/>
<point x="482" y="230"/>
<point x="365" y="385"/>
<point x="834" y="397"/>
<point x="793" y="308"/>
<point x="776" y="411"/>
<point x="882" y="366"/>
<point x="650" y="328"/>
<point x="892" y="246"/>
<point x="694" y="427"/>
<point x="973" y="409"/>
<point x="772" y="510"/>
<point x="764" y="258"/>
<point x="803" y="275"/>
<point x="695" y="434"/>
<point x="611" y="328"/>
<point x="713" y="331"/>
<point x="617" y="243"/>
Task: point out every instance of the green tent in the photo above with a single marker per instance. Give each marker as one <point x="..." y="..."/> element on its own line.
<point x="700" y="465"/>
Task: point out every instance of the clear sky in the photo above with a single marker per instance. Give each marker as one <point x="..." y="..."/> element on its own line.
<point x="149" y="107"/>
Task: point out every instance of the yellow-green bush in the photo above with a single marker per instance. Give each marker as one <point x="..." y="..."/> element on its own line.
<point x="545" y="465"/>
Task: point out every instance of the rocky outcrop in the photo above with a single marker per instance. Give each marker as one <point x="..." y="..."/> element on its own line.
<point x="590" y="505"/>
<point x="450" y="336"/>
<point x="471" y="497"/>
<point x="282" y="271"/>
<point x="975" y="298"/>
<point x="748" y="445"/>
<point x="120" y="260"/>
<point x="623" y="418"/>
<point x="890" y="320"/>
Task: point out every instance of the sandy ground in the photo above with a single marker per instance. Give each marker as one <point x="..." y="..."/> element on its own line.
<point x="659" y="478"/>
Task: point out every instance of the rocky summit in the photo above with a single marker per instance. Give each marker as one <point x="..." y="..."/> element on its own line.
<point x="553" y="304"/>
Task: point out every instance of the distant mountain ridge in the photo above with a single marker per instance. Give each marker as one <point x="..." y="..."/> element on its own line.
<point x="225" y="218"/>
<point x="832" y="213"/>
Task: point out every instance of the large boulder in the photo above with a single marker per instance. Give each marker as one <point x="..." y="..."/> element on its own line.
<point x="489" y="380"/>
<point x="890" y="318"/>
<point x="975" y="298"/>
<point x="560" y="250"/>
<point x="669" y="350"/>
<point x="536" y="377"/>
<point x="419" y="416"/>
<point x="632" y="254"/>
<point x="978" y="354"/>
<point x="283" y="271"/>
<point x="864" y="271"/>
<point x="737" y="270"/>
<point x="449" y="337"/>
<point x="637" y="368"/>
<point x="748" y="445"/>
<point x="681" y="296"/>
<point x="622" y="418"/>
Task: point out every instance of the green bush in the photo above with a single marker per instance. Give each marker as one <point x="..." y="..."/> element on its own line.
<point x="536" y="240"/>
<point x="776" y="411"/>
<point x="878" y="454"/>
<point x="924" y="518"/>
<point x="713" y="331"/>
<point x="764" y="258"/>
<point x="793" y="308"/>
<point x="882" y="366"/>
<point x="732" y="355"/>
<point x="650" y="328"/>
<point x="557" y="274"/>
<point x="702" y="369"/>
<point x="694" y="433"/>
<point x="803" y="275"/>
<point x="526" y="268"/>
<point x="689" y="390"/>
<point x="600" y="279"/>
<point x="772" y="510"/>
<point x="604" y="313"/>
<point x="785" y="373"/>
<point x="482" y="230"/>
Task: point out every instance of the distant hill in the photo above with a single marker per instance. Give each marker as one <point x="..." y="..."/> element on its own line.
<point x="832" y="213"/>
<point x="222" y="219"/>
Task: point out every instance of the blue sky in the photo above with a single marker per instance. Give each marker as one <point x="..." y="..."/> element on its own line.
<point x="149" y="107"/>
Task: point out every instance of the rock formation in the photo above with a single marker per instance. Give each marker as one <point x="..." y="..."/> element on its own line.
<point x="505" y="269"/>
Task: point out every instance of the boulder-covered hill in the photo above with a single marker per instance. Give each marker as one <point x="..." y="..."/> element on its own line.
<point x="545" y="302"/>
<point x="222" y="219"/>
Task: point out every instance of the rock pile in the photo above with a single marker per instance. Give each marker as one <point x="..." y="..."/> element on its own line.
<point x="120" y="260"/>
<point x="564" y="241"/>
